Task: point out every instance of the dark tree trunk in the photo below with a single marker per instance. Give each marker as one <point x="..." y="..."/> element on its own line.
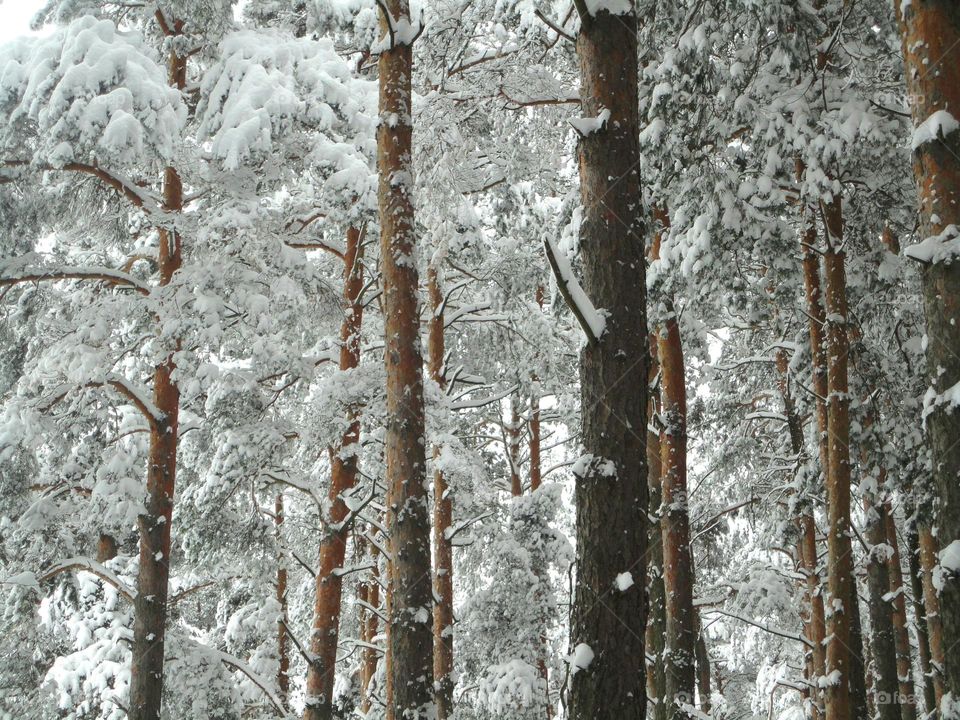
<point x="283" y="644"/>
<point x="931" y="33"/>
<point x="908" y="704"/>
<point x="611" y="489"/>
<point x="410" y="634"/>
<point x="657" y="619"/>
<point x="343" y="477"/>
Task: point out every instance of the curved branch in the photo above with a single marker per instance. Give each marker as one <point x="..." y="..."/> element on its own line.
<point x="102" y="274"/>
<point x="94" y="568"/>
<point x="238" y="664"/>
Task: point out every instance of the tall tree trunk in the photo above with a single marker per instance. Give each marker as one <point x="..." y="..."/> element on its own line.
<point x="901" y="634"/>
<point x="840" y="578"/>
<point x="369" y="592"/>
<point x="931" y="33"/>
<point x="154" y="524"/>
<point x="535" y="482"/>
<point x="675" y="521"/>
<point x="931" y="603"/>
<point x="607" y="624"/>
<point x="886" y="686"/>
<point x="410" y="635"/>
<point x="817" y="317"/>
<point x="815" y="622"/>
<point x="283" y="644"/>
<point x="442" y="522"/>
<point x="859" y="700"/>
<point x="920" y="613"/>
<point x="703" y="668"/>
<point x="344" y="460"/>
<point x="657" y="618"/>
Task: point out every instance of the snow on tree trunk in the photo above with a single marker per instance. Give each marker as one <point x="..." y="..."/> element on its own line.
<point x="919" y="611"/>
<point x="931" y="33"/>
<point x="611" y="487"/>
<point x="677" y="561"/>
<point x="442" y="522"/>
<point x="931" y="604"/>
<point x="150" y="603"/>
<point x="325" y="634"/>
<point x="283" y="644"/>
<point x="882" y="642"/>
<point x="657" y="619"/>
<point x="840" y="579"/>
<point x="513" y="449"/>
<point x="908" y="706"/>
<point x="410" y="635"/>
<point x="369" y="592"/>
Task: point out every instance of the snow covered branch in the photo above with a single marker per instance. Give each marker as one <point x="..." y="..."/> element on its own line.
<point x="237" y="664"/>
<point x="590" y="320"/>
<point x="762" y="626"/>
<point x="92" y="567"/>
<point x="8" y="276"/>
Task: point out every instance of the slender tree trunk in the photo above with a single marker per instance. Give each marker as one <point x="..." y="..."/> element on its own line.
<point x="817" y="317"/>
<point x="535" y="482"/>
<point x="513" y="449"/>
<point x="886" y="685"/>
<point x="675" y="521"/>
<point x="607" y="624"/>
<point x="325" y="636"/>
<point x="150" y="603"/>
<point x="931" y="33"/>
<point x="703" y="668"/>
<point x="908" y="705"/>
<point x="283" y="645"/>
<point x="815" y="622"/>
<point x="920" y="613"/>
<point x="859" y="700"/>
<point x="369" y="622"/>
<point x="442" y="522"/>
<point x="410" y="635"/>
<point x="839" y="552"/>
<point x="657" y="618"/>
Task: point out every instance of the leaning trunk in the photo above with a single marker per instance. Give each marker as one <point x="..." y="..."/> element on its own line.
<point x="611" y="487"/>
<point x="343" y="477"/>
<point x="154" y="524"/>
<point x="410" y="597"/>
<point x="931" y="33"/>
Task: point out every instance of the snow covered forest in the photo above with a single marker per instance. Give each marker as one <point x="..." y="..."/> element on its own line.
<point x="480" y="360"/>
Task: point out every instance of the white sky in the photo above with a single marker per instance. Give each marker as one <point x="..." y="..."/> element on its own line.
<point x="15" y="17"/>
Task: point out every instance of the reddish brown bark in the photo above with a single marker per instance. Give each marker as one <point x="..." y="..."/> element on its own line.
<point x="839" y="552"/>
<point x="442" y="523"/>
<point x="931" y="604"/>
<point x="343" y="477"/>
<point x="410" y="635"/>
<point x="369" y="592"/>
<point x="154" y="524"/>
<point x="513" y="449"/>
<point x="931" y="34"/>
<point x="611" y="489"/>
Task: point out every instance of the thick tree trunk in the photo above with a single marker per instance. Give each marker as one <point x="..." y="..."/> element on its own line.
<point x="343" y="477"/>
<point x="931" y="33"/>
<point x="150" y="603"/>
<point x="886" y="685"/>
<point x="607" y="625"/>
<point x="931" y="603"/>
<point x="920" y="613"/>
<point x="839" y="552"/>
<point x="901" y="634"/>
<point x="442" y="522"/>
<point x="859" y="699"/>
<point x="410" y="635"/>
<point x="283" y="644"/>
